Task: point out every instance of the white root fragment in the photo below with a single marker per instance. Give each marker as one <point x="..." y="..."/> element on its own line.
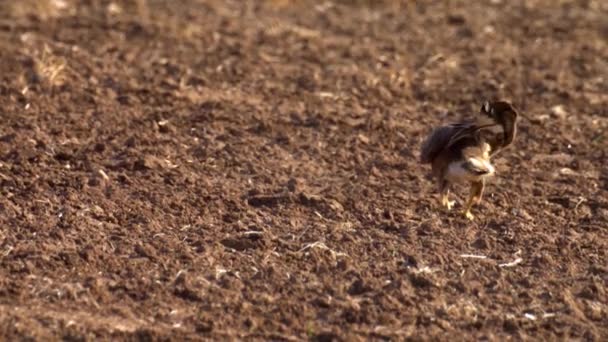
<point x="219" y="272"/>
<point x="252" y="233"/>
<point x="103" y="174"/>
<point x="473" y="256"/>
<point x="512" y="263"/>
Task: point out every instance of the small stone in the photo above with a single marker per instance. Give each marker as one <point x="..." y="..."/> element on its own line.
<point x="559" y="111"/>
<point x="567" y="172"/>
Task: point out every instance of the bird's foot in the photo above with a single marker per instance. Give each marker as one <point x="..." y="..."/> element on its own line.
<point x="447" y="203"/>
<point x="468" y="215"/>
<point x="450" y="204"/>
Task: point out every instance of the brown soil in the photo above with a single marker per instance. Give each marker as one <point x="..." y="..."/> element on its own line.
<point x="248" y="170"/>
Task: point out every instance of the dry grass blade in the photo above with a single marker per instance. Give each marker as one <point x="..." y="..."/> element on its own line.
<point x="50" y="68"/>
<point x="512" y="263"/>
<point x="473" y="256"/>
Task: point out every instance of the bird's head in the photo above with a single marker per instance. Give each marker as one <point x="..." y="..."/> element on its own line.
<point x="501" y="113"/>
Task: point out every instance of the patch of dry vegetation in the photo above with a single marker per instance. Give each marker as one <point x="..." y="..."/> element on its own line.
<point x="42" y="9"/>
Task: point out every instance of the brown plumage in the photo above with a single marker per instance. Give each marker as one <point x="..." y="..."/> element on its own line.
<point x="461" y="152"/>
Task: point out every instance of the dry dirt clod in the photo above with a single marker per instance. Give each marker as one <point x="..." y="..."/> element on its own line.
<point x="559" y="112"/>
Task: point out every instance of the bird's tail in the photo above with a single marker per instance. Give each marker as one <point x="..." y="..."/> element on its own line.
<point x="426" y="151"/>
<point x="434" y="143"/>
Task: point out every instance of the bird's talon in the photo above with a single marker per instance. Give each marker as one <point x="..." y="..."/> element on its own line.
<point x="447" y="203"/>
<point x="450" y="204"/>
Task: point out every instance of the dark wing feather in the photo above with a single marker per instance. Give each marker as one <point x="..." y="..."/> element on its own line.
<point x="506" y="116"/>
<point x="498" y="142"/>
<point x="443" y="137"/>
<point x="510" y="127"/>
<point x="446" y="136"/>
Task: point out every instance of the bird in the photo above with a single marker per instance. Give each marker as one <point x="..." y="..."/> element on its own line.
<point x="461" y="152"/>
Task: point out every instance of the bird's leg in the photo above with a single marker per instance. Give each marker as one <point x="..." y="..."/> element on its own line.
<point x="444" y="189"/>
<point x="474" y="198"/>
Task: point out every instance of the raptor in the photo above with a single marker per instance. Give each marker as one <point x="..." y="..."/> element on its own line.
<point x="461" y="152"/>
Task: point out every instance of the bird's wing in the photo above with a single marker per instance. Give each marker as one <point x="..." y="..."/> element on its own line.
<point x="499" y="140"/>
<point x="478" y="166"/>
<point x="496" y="142"/>
<point x="443" y="137"/>
<point x="463" y="130"/>
<point x="510" y="130"/>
